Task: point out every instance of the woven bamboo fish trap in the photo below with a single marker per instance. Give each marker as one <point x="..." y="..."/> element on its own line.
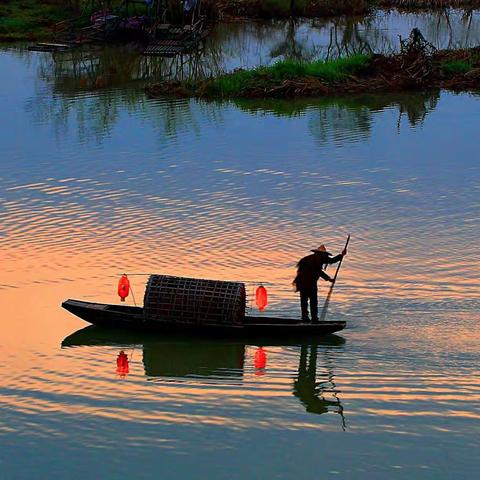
<point x="194" y="301"/>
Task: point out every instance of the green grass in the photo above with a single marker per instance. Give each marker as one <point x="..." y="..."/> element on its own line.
<point x="456" y="67"/>
<point x="32" y="19"/>
<point x="327" y="71"/>
<point x="23" y="19"/>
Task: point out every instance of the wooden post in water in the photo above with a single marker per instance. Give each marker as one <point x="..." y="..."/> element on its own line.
<point x="327" y="300"/>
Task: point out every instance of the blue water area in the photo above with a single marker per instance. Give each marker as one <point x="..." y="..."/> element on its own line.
<point x="100" y="181"/>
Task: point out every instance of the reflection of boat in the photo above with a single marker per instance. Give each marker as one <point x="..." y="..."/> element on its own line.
<point x="105" y="336"/>
<point x="204" y="359"/>
<point x="179" y="355"/>
<point x="171" y="356"/>
<point x="133" y="318"/>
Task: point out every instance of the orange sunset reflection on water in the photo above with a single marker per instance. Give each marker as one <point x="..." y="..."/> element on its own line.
<point x="240" y="192"/>
<point x="69" y="242"/>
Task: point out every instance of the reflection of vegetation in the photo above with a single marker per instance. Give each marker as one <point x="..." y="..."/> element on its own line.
<point x="346" y="36"/>
<point x="346" y="118"/>
<point x="330" y="38"/>
<point x="94" y="116"/>
<point x="340" y="123"/>
<point x="91" y="88"/>
<point x="352" y="118"/>
<point x="290" y="47"/>
<point x="120" y="88"/>
<point x="78" y="71"/>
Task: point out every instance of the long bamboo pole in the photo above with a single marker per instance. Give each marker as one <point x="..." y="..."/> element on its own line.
<point x="340" y="263"/>
<point x="329" y="295"/>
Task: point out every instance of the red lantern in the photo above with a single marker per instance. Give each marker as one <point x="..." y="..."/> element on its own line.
<point x="122" y="364"/>
<point x="261" y="298"/>
<point x="123" y="287"/>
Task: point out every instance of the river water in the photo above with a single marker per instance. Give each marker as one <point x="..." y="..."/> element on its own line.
<point x="97" y="180"/>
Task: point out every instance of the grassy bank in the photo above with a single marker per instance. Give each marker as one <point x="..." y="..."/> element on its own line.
<point x="415" y="70"/>
<point x="30" y="19"/>
<point x="260" y="78"/>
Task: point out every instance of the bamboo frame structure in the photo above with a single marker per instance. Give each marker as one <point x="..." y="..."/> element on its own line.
<point x="194" y="301"/>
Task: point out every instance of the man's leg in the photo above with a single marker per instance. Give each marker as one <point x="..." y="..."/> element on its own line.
<point x="314" y="304"/>
<point x="304" y="304"/>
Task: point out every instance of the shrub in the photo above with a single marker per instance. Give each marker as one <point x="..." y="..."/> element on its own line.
<point x="456" y="67"/>
<point x="328" y="71"/>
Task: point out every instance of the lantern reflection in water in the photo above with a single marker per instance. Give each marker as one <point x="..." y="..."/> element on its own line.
<point x="260" y="361"/>
<point x="122" y="364"/>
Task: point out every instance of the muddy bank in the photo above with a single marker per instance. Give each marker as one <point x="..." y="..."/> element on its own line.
<point x="419" y="66"/>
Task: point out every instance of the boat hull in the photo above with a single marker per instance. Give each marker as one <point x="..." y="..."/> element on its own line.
<point x="126" y="317"/>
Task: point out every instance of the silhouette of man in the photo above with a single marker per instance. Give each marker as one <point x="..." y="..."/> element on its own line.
<point x="309" y="270"/>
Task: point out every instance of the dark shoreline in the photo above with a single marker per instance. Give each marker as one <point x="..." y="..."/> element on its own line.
<point x="246" y="10"/>
<point x="28" y="27"/>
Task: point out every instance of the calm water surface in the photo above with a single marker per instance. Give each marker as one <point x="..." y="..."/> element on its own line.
<point x="95" y="182"/>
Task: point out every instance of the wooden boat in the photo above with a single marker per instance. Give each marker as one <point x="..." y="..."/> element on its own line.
<point x="127" y="317"/>
<point x="192" y="305"/>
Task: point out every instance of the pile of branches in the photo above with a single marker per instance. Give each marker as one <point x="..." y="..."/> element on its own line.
<point x="416" y="56"/>
<point x="415" y="67"/>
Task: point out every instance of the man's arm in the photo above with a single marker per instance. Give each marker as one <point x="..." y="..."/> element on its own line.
<point x="326" y="277"/>
<point x="335" y="259"/>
